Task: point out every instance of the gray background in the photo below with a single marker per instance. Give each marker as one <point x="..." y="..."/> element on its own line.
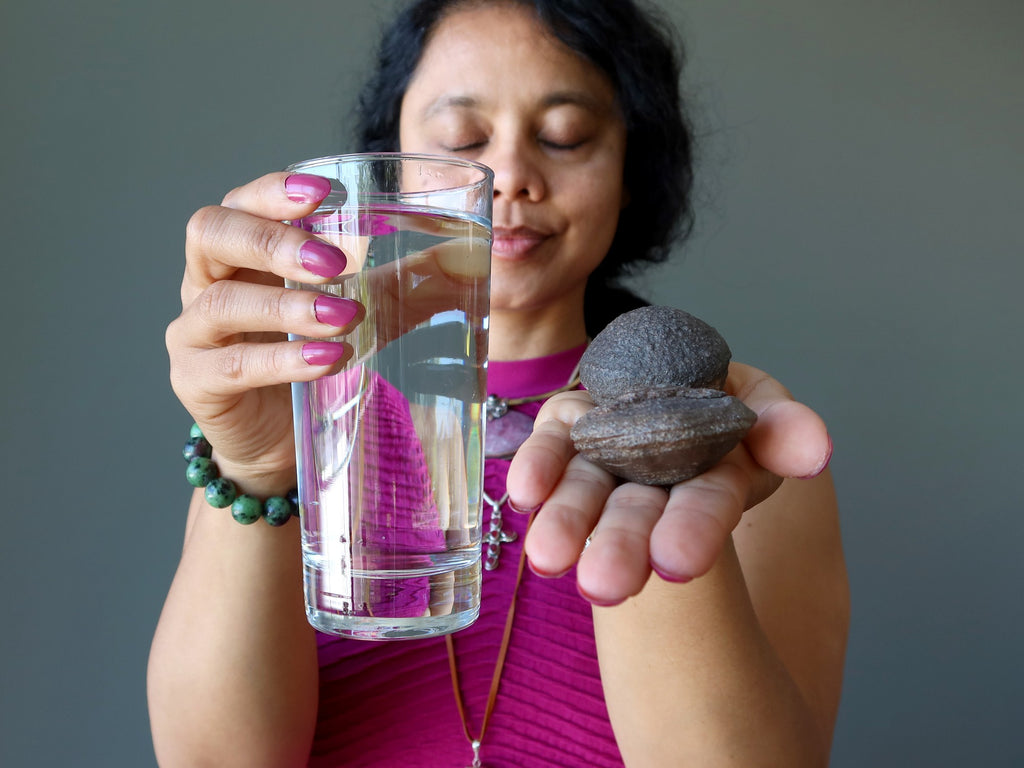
<point x="860" y="237"/>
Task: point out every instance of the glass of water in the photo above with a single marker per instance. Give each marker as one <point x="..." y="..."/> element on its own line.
<point x="390" y="450"/>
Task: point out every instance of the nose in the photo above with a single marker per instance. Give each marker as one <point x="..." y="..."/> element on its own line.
<point x="518" y="172"/>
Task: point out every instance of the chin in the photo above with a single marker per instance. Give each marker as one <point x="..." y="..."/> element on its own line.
<point x="514" y="301"/>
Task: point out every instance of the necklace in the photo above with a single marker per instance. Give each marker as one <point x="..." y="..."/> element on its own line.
<point x="505" y="432"/>
<point x="492" y="696"/>
<point x="508" y="429"/>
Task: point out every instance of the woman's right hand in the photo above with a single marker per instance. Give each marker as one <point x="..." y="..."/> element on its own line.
<point x="231" y="360"/>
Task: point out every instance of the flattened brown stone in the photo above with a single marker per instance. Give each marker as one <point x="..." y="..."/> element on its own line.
<point x="662" y="436"/>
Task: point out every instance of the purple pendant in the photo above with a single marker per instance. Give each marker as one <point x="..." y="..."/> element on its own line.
<point x="505" y="434"/>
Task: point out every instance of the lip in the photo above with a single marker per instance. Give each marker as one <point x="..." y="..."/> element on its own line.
<point x="515" y="242"/>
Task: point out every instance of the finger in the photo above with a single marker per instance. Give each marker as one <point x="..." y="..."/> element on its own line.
<point x="616" y="563"/>
<point x="279" y="196"/>
<point x="699" y="517"/>
<point x="540" y="461"/>
<point x="206" y="377"/>
<point x="221" y="241"/>
<point x="788" y="438"/>
<point x="229" y="307"/>
<point x="559" y="531"/>
<point x="286" y="196"/>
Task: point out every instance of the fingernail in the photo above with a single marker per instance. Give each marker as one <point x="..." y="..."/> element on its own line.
<point x="306" y="188"/>
<point x="823" y="464"/>
<point x="334" y="310"/>
<point x="545" y="574"/>
<point x="322" y="352"/>
<point x="516" y="508"/>
<point x="322" y="259"/>
<point x="600" y="603"/>
<point x="674" y="578"/>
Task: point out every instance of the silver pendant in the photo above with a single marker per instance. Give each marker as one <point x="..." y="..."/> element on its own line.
<point x="504" y="434"/>
<point x="496" y="536"/>
<point x="494" y="539"/>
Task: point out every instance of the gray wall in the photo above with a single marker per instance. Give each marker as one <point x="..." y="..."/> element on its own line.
<point x="860" y="237"/>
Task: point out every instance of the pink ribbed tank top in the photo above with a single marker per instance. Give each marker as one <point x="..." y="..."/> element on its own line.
<point x="384" y="705"/>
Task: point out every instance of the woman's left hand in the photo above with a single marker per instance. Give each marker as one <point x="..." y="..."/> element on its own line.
<point x="632" y="528"/>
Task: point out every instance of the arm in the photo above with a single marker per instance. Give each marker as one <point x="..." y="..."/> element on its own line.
<point x="233" y="671"/>
<point x="742" y="664"/>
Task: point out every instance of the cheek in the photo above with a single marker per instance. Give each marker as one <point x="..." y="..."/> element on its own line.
<point x="596" y="206"/>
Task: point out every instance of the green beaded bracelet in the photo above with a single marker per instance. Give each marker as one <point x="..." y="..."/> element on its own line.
<point x="220" y="492"/>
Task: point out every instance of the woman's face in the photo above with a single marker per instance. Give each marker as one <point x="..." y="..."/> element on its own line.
<point x="495" y="87"/>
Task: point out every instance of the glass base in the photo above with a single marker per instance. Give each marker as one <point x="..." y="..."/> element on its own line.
<point x="377" y="628"/>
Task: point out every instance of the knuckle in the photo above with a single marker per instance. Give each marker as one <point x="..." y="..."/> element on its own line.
<point x="243" y="366"/>
<point x="267" y="238"/>
<point x="279" y="359"/>
<point x="225" y="304"/>
<point x="176" y="356"/>
<point x="637" y="495"/>
<point x="214" y="303"/>
<point x="179" y="382"/>
<point x="275" y="305"/>
<point x="566" y="407"/>
<point x="199" y="227"/>
<point x="173" y="338"/>
<point x="231" y="364"/>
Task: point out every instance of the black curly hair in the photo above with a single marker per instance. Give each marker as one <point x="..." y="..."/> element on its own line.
<point x="633" y="46"/>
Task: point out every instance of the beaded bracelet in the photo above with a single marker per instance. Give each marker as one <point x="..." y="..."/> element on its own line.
<point x="221" y="492"/>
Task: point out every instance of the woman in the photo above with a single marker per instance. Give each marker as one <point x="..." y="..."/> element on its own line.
<point x="731" y="654"/>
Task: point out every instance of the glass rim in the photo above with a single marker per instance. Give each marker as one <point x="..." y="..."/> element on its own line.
<point x="487" y="173"/>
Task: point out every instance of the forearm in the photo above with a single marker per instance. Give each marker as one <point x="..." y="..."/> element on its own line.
<point x="690" y="679"/>
<point x="233" y="672"/>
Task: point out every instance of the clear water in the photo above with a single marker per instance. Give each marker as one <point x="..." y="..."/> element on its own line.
<point x="389" y="450"/>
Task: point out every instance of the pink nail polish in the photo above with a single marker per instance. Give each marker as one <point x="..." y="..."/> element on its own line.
<point x="516" y="508"/>
<point x="322" y="259"/>
<point x="306" y="188"/>
<point x="674" y="578"/>
<point x="544" y="574"/>
<point x="600" y="603"/>
<point x="322" y="352"/>
<point x="334" y="310"/>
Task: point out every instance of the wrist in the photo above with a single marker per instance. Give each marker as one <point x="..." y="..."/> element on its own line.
<point x="260" y="494"/>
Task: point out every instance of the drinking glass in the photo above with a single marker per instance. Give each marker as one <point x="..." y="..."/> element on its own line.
<point x="390" y="450"/>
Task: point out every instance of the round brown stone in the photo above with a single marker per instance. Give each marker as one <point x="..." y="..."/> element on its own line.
<point x="654" y="347"/>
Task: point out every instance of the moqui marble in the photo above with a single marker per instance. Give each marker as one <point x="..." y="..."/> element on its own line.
<point x="656" y="376"/>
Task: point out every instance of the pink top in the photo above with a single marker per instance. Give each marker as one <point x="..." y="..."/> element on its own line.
<point x="391" y="704"/>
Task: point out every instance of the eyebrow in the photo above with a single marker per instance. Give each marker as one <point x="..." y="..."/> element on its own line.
<point x="580" y="98"/>
<point x="553" y="99"/>
<point x="450" y="102"/>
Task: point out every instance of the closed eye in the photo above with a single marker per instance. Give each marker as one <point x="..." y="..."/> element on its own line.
<point x="561" y="147"/>
<point x="465" y="147"/>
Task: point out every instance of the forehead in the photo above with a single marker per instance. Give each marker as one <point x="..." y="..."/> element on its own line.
<point x="488" y="53"/>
